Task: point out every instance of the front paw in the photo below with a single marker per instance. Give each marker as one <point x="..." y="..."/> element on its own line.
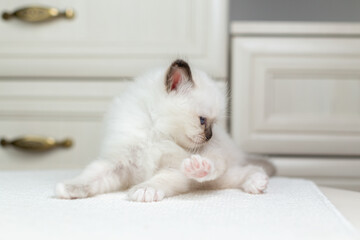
<point x="146" y="194"/>
<point x="256" y="183"/>
<point x="198" y="168"/>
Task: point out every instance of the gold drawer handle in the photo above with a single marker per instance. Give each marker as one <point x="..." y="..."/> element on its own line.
<point x="36" y="143"/>
<point x="38" y="14"/>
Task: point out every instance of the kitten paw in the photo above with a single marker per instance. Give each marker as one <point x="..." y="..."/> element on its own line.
<point x="146" y="194"/>
<point x="71" y="191"/>
<point x="198" y="168"/>
<point x="256" y="183"/>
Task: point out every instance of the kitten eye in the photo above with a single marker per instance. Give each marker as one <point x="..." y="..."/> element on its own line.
<point x="202" y="120"/>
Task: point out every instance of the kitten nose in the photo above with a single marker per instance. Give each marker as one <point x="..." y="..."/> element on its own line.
<point x="208" y="133"/>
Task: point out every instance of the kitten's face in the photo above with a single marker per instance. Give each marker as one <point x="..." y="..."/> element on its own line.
<point x="195" y="105"/>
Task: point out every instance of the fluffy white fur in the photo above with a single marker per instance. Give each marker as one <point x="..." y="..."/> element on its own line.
<point x="156" y="146"/>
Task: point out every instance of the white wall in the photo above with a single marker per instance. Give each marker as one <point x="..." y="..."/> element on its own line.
<point x="295" y="10"/>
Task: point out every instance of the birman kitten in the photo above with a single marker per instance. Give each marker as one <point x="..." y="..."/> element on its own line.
<point x="164" y="137"/>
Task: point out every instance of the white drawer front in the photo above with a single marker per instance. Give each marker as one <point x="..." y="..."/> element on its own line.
<point x="85" y="135"/>
<point x="296" y="95"/>
<point x="54" y="108"/>
<point x="115" y="38"/>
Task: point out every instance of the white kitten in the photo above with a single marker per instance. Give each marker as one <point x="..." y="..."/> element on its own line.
<point x="163" y="138"/>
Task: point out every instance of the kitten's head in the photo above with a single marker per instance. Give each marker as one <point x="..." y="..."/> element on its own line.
<point x="194" y="105"/>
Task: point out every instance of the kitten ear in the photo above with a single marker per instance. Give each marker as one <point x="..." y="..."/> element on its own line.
<point x="178" y="74"/>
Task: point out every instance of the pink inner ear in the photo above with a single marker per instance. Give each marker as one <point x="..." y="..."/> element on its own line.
<point x="175" y="80"/>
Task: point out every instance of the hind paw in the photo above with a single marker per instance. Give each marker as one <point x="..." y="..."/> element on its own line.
<point x="71" y="191"/>
<point x="256" y="183"/>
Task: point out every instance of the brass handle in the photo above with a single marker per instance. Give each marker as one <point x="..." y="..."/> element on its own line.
<point x="37" y="143"/>
<point x="38" y="14"/>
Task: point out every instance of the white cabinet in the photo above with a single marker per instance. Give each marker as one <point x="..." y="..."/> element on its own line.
<point x="296" y="98"/>
<point x="57" y="78"/>
<point x="296" y="92"/>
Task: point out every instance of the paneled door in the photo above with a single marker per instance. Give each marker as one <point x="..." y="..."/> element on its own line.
<point x="296" y="95"/>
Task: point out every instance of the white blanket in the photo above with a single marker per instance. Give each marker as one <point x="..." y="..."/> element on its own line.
<point x="290" y="209"/>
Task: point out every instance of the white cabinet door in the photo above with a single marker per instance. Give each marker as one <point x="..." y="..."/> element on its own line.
<point x="294" y="95"/>
<point x="115" y="38"/>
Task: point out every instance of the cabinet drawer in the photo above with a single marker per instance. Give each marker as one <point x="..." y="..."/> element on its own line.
<point x="54" y="108"/>
<point x="85" y="135"/>
<point x="114" y="38"/>
<point x="296" y="95"/>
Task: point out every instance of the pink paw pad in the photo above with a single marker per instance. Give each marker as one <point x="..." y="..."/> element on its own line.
<point x="197" y="167"/>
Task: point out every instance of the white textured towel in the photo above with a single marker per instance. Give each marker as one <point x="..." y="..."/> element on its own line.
<point x="290" y="209"/>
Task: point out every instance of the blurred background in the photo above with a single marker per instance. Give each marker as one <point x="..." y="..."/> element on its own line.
<point x="292" y="68"/>
<point x="291" y="10"/>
